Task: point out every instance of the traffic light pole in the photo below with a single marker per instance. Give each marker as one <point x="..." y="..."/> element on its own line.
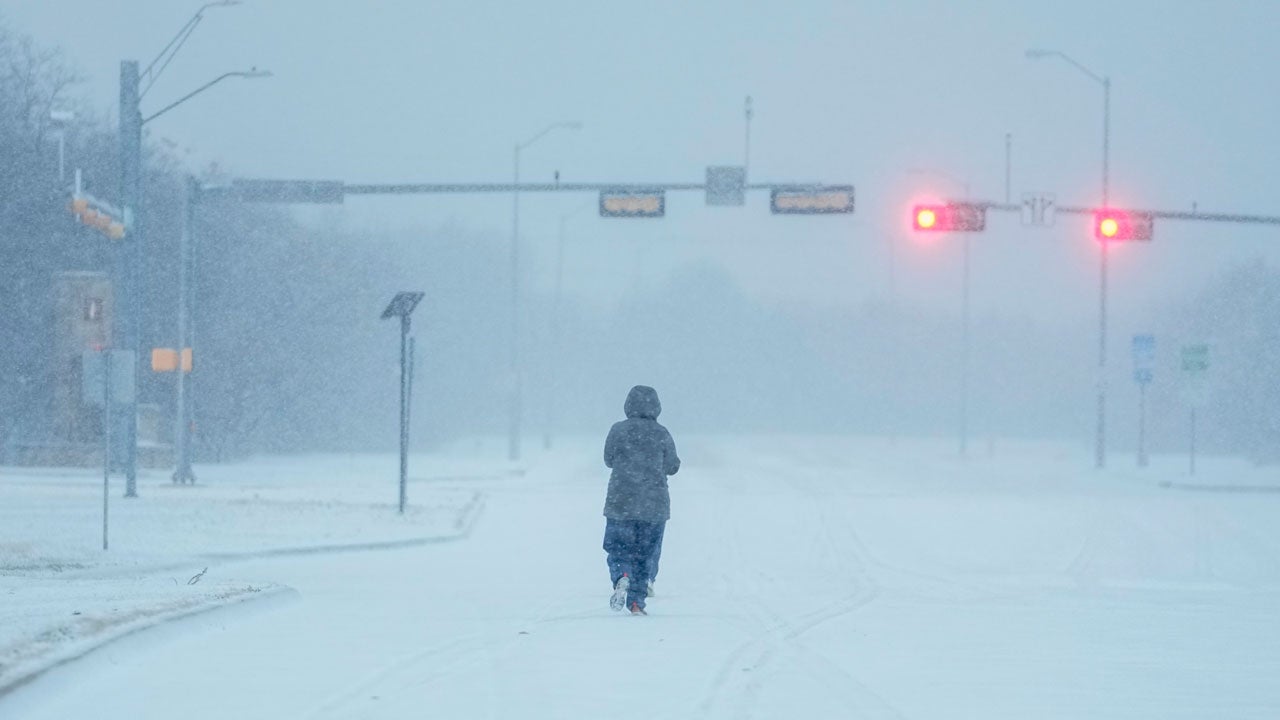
<point x="1100" y="452"/>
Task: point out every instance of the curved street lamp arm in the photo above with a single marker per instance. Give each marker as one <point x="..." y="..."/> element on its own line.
<point x="206" y="86"/>
<point x="175" y="44"/>
<point x="547" y="129"/>
<point x="1034" y="54"/>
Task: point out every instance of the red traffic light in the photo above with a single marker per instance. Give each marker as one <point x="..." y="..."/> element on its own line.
<point x="1122" y="225"/>
<point x="949" y="217"/>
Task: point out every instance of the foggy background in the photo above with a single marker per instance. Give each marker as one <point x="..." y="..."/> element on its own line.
<point x="742" y="320"/>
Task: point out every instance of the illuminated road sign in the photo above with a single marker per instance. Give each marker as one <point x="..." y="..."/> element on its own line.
<point x="820" y="200"/>
<point x="633" y="203"/>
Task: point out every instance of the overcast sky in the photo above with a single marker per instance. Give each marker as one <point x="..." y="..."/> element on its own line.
<point x="844" y="92"/>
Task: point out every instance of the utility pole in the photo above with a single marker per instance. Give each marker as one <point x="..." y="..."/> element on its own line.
<point x="746" y="153"/>
<point x="128" y="260"/>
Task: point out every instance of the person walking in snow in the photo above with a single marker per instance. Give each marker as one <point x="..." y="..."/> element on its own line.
<point x="641" y="454"/>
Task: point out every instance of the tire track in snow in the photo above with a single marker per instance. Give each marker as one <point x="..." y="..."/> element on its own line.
<point x="743" y="674"/>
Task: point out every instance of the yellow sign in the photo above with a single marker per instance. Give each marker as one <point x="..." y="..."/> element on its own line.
<point x="166" y="360"/>
<point x="632" y="203"/>
<point x="812" y="201"/>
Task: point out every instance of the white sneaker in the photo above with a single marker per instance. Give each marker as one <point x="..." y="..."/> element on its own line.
<point x="618" y="600"/>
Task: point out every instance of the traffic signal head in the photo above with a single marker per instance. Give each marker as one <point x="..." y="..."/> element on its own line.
<point x="1122" y="225"/>
<point x="963" y="217"/>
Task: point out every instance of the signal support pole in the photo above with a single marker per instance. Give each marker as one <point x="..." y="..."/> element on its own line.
<point x="1100" y="458"/>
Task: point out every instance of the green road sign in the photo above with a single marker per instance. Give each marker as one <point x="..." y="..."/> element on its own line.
<point x="1195" y="358"/>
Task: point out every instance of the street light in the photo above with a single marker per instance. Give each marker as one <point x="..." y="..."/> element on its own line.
<point x="513" y="449"/>
<point x="1100" y="452"/>
<point x="557" y="354"/>
<point x="129" y="255"/>
<point x="926" y="219"/>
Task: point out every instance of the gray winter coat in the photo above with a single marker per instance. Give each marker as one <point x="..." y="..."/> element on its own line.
<point x="642" y="455"/>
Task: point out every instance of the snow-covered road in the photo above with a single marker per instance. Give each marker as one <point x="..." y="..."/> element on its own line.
<point x="801" y="577"/>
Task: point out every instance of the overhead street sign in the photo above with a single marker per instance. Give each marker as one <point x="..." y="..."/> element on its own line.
<point x="323" y="192"/>
<point x="726" y="185"/>
<point x="819" y="200"/>
<point x="1038" y="208"/>
<point x="633" y="203"/>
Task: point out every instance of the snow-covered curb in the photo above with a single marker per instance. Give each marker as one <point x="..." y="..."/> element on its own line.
<point x="61" y="645"/>
<point x="462" y="526"/>
<point x="34" y="655"/>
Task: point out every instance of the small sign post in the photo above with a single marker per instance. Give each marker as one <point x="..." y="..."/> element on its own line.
<point x="1195" y="368"/>
<point x="1144" y="359"/>
<point x="402" y="306"/>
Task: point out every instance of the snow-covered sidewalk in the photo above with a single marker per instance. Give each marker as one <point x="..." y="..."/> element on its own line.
<point x="170" y="547"/>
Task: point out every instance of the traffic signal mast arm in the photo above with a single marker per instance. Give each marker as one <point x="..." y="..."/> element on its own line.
<point x="1158" y="214"/>
<point x="1114" y="223"/>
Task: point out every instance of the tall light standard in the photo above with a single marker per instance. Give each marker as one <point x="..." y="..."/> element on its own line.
<point x="1100" y="447"/>
<point x="129" y="256"/>
<point x="557" y="354"/>
<point x="964" y="313"/>
<point x="513" y="447"/>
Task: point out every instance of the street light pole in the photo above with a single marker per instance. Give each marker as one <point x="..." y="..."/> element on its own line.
<point x="129" y="255"/>
<point x="513" y="437"/>
<point x="182" y="427"/>
<point x="557" y="351"/>
<point x="1100" y="442"/>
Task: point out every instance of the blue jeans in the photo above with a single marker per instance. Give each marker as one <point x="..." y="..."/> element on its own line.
<point x="632" y="545"/>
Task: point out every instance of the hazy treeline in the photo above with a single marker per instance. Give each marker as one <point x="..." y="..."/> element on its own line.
<point x="291" y="355"/>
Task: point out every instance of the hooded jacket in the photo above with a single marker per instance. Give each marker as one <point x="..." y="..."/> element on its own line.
<point x="641" y="454"/>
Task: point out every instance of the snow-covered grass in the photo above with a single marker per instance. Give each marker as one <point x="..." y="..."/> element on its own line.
<point x="169" y="546"/>
<point x="816" y="577"/>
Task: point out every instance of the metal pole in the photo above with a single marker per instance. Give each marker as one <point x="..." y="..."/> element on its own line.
<point x="404" y="407"/>
<point x="106" y="441"/>
<point x="557" y="353"/>
<point x="513" y="437"/>
<point x="1008" y="167"/>
<point x="1193" y="440"/>
<point x="183" y="473"/>
<point x="1142" y="424"/>
<point x="964" y="354"/>
<point x="62" y="157"/>
<point x="894" y="344"/>
<point x="746" y="153"/>
<point x="128" y="308"/>
<point x="1101" y="441"/>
